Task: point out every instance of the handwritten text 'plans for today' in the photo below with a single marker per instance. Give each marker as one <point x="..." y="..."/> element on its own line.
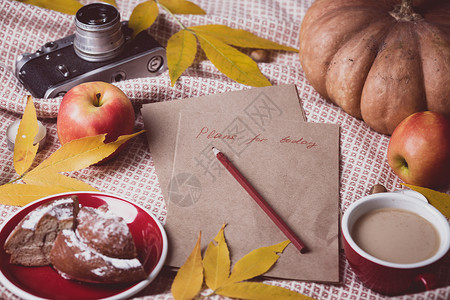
<point x="290" y="177"/>
<point x="210" y="133"/>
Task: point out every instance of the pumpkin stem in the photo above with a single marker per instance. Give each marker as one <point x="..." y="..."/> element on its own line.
<point x="404" y="12"/>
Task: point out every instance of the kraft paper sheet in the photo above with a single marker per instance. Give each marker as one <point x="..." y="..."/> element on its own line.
<point x="293" y="164"/>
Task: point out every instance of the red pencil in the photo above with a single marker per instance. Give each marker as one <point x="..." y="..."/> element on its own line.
<point x="261" y="202"/>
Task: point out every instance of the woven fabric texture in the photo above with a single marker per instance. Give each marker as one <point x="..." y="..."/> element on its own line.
<point x="25" y="28"/>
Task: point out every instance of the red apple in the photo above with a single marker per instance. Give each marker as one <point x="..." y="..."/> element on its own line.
<point x="419" y="150"/>
<point x="94" y="108"/>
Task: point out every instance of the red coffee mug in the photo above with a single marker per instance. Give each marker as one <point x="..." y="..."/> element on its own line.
<point x="387" y="277"/>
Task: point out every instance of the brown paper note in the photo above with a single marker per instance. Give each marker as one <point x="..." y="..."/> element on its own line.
<point x="293" y="165"/>
<point x="261" y="105"/>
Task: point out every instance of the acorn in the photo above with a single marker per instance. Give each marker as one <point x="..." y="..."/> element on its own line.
<point x="260" y="55"/>
<point x="377" y="188"/>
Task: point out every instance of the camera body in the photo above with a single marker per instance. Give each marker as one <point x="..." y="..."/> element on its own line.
<point x="102" y="49"/>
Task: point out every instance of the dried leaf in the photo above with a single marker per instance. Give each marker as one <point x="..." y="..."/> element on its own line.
<point x="441" y="201"/>
<point x="216" y="262"/>
<point x="182" y="7"/>
<point x="232" y="62"/>
<point x="258" y="290"/>
<point x="22" y="194"/>
<point x="65" y="6"/>
<point x="180" y="52"/>
<point x="239" y="37"/>
<point x="58" y="180"/>
<point x="45" y="179"/>
<point x="143" y="16"/>
<point x="256" y="263"/>
<point x="79" y="154"/>
<point x="189" y="279"/>
<point x="216" y="265"/>
<point x="24" y="150"/>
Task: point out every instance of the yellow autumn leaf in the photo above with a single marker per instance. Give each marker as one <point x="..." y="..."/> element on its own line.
<point x="231" y="62"/>
<point x="180" y="52"/>
<point x="256" y="263"/>
<point x="65" y="6"/>
<point x="441" y="201"/>
<point x="239" y="37"/>
<point x="58" y="180"/>
<point x="24" y="150"/>
<point x="216" y="262"/>
<point x="143" y="16"/>
<point x="79" y="154"/>
<point x="189" y="278"/>
<point x="182" y="7"/>
<point x="21" y="194"/>
<point x="260" y="291"/>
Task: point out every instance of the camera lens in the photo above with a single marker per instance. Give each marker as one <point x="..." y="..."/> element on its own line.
<point x="97" y="14"/>
<point x="98" y="32"/>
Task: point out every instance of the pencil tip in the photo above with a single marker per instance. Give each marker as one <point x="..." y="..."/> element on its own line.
<point x="215" y="151"/>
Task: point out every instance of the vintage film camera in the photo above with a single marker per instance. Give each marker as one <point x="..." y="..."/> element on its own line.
<point x="100" y="50"/>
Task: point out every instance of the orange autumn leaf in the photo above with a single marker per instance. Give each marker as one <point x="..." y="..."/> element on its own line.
<point x="189" y="279"/>
<point x="24" y="148"/>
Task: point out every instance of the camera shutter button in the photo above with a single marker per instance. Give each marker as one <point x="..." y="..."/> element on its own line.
<point x="63" y="70"/>
<point x="49" y="47"/>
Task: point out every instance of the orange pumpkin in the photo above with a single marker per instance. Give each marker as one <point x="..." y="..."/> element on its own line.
<point x="379" y="60"/>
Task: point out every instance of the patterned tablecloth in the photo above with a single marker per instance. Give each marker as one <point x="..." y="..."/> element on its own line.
<point x="24" y="28"/>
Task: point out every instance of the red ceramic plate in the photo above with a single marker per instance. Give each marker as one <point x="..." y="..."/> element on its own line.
<point x="45" y="283"/>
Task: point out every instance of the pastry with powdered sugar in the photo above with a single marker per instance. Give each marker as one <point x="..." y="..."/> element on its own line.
<point x="81" y="243"/>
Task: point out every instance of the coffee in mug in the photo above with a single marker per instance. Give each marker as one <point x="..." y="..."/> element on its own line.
<point x="396" y="235"/>
<point x="370" y="222"/>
